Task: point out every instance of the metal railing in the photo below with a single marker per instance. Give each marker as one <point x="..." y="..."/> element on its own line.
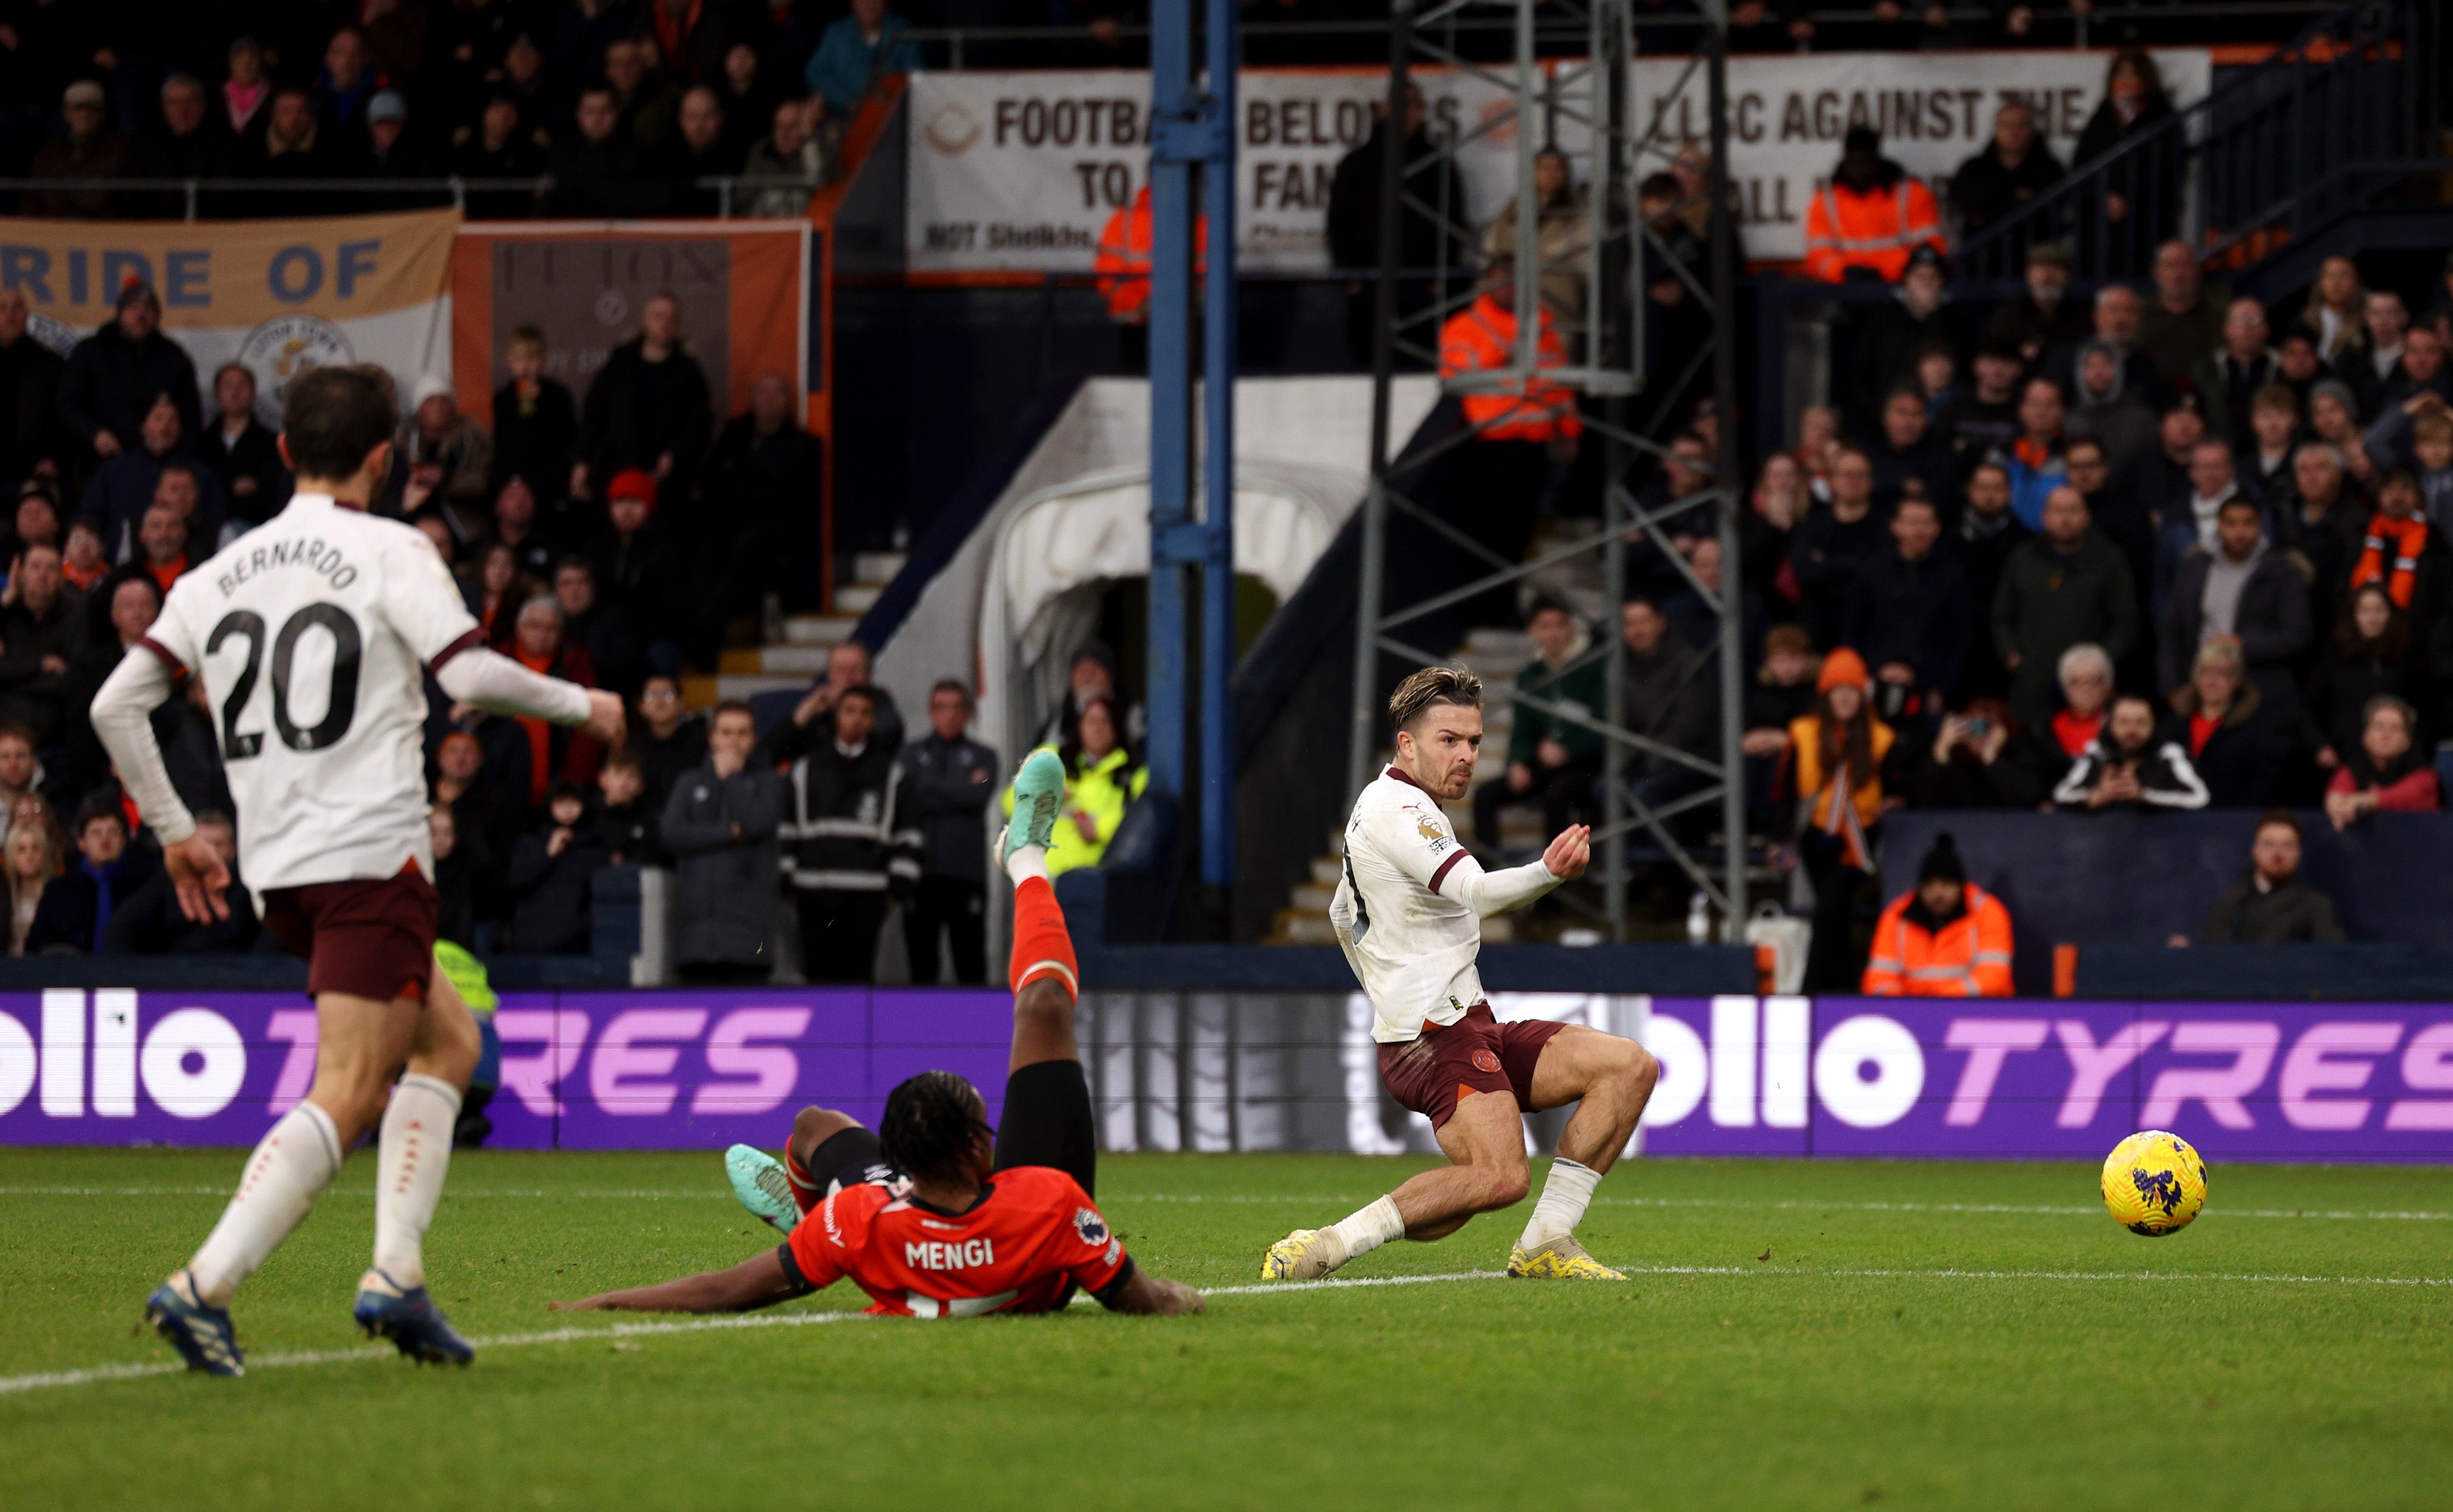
<point x="129" y="196"/>
<point x="2348" y="109"/>
<point x="1561" y="33"/>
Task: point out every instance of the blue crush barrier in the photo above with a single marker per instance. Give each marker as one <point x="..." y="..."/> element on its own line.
<point x="2138" y="879"/>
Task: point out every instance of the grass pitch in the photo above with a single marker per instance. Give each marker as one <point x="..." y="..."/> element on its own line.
<point x="1794" y="1334"/>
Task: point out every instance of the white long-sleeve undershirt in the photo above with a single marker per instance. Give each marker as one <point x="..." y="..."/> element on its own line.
<point x="123" y="708"/>
<point x="122" y="720"/>
<point x="1489" y="892"/>
<point x="500" y="685"/>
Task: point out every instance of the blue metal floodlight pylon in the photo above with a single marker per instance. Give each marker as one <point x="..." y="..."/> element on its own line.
<point x="1192" y="145"/>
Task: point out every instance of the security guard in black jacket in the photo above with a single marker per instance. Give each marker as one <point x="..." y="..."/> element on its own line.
<point x="842" y="794"/>
<point x="940" y="866"/>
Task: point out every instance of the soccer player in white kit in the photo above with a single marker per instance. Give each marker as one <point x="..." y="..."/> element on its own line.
<point x="1408" y="913"/>
<point x="312" y="635"/>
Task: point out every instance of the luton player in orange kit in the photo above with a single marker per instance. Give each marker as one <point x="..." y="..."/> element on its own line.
<point x="936" y="1215"/>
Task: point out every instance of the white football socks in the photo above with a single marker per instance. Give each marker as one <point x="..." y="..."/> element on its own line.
<point x="1026" y="862"/>
<point x="1564" y="1198"/>
<point x="297" y="1159"/>
<point x="1372" y="1227"/>
<point x="409" y="1165"/>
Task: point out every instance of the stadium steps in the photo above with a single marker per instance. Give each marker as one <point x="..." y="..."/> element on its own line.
<point x="1496" y="654"/>
<point x="798" y="657"/>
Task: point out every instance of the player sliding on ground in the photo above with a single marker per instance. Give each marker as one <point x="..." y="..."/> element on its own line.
<point x="1408" y="913"/>
<point x="312" y="635"/>
<point x="936" y="1215"/>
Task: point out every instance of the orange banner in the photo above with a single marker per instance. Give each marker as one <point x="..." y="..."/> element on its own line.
<point x="743" y="286"/>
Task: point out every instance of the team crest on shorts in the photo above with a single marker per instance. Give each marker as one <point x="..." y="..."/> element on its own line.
<point x="1485" y="1062"/>
<point x="1092" y="1228"/>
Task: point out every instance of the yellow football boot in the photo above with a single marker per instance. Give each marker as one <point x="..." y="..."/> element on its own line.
<point x="1559" y="1259"/>
<point x="1306" y="1254"/>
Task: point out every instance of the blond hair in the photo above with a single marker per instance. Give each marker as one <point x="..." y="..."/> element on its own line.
<point x="1432" y="685"/>
<point x="28" y="889"/>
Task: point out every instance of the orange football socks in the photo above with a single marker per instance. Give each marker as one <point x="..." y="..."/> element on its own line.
<point x="1042" y="946"/>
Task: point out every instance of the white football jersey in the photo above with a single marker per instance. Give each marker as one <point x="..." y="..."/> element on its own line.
<point x="312" y="634"/>
<point x="1413" y="949"/>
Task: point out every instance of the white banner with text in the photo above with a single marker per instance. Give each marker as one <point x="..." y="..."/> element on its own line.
<point x="1021" y="171"/>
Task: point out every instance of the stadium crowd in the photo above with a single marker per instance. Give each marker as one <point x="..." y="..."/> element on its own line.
<point x="2157" y="548"/>
<point x="564" y="523"/>
<point x="628" y="107"/>
<point x="2145" y="547"/>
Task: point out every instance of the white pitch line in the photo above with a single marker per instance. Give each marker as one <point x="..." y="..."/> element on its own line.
<point x="330" y="1357"/>
<point x="2003" y="1208"/>
<point x="1266" y="1288"/>
<point x="1245" y="1199"/>
<point x="98" y="1374"/>
<point x="639" y="1193"/>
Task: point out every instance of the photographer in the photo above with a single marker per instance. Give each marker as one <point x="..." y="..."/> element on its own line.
<point x="1978" y="761"/>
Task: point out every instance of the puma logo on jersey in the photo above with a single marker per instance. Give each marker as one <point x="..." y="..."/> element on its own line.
<point x="938" y="1256"/>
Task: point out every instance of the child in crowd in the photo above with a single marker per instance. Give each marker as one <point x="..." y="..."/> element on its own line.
<point x="2431" y="443"/>
<point x="1818" y="437"/>
<point x="83" y="563"/>
<point x="2274" y="419"/>
<point x="624" y="823"/>
<point x="1937" y="372"/>
<point x="551" y="878"/>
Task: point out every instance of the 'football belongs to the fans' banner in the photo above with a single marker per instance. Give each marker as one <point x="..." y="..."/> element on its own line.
<point x="1021" y="171"/>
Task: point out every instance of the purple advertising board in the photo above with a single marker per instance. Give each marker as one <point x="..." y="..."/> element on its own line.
<point x="580" y="1070"/>
<point x="1993" y="1079"/>
<point x="687" y="1069"/>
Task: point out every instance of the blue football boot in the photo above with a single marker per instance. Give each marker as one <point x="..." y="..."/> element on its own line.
<point x="1038" y="793"/>
<point x="411" y="1322"/>
<point x="202" y="1335"/>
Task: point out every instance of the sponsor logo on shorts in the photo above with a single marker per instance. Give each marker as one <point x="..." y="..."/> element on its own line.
<point x="1485" y="1062"/>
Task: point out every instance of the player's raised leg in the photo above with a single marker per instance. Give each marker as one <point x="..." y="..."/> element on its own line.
<point x="1610" y="1079"/>
<point x="1048" y="1120"/>
<point x="412" y="1159"/>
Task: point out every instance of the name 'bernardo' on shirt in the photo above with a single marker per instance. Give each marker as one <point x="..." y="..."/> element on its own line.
<point x="936" y="1256"/>
<point x="325" y="561"/>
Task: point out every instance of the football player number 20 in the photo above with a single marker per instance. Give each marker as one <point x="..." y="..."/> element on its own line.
<point x="339" y="709"/>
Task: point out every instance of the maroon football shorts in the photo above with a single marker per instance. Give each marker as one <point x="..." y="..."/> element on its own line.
<point x="367" y="938"/>
<point x="1477" y="1053"/>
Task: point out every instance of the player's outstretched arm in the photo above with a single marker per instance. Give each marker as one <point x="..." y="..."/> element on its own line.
<point x="1156" y="1295"/>
<point x="1491" y="892"/>
<point x="122" y="717"/>
<point x="497" y="684"/>
<point x="758" y="1282"/>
